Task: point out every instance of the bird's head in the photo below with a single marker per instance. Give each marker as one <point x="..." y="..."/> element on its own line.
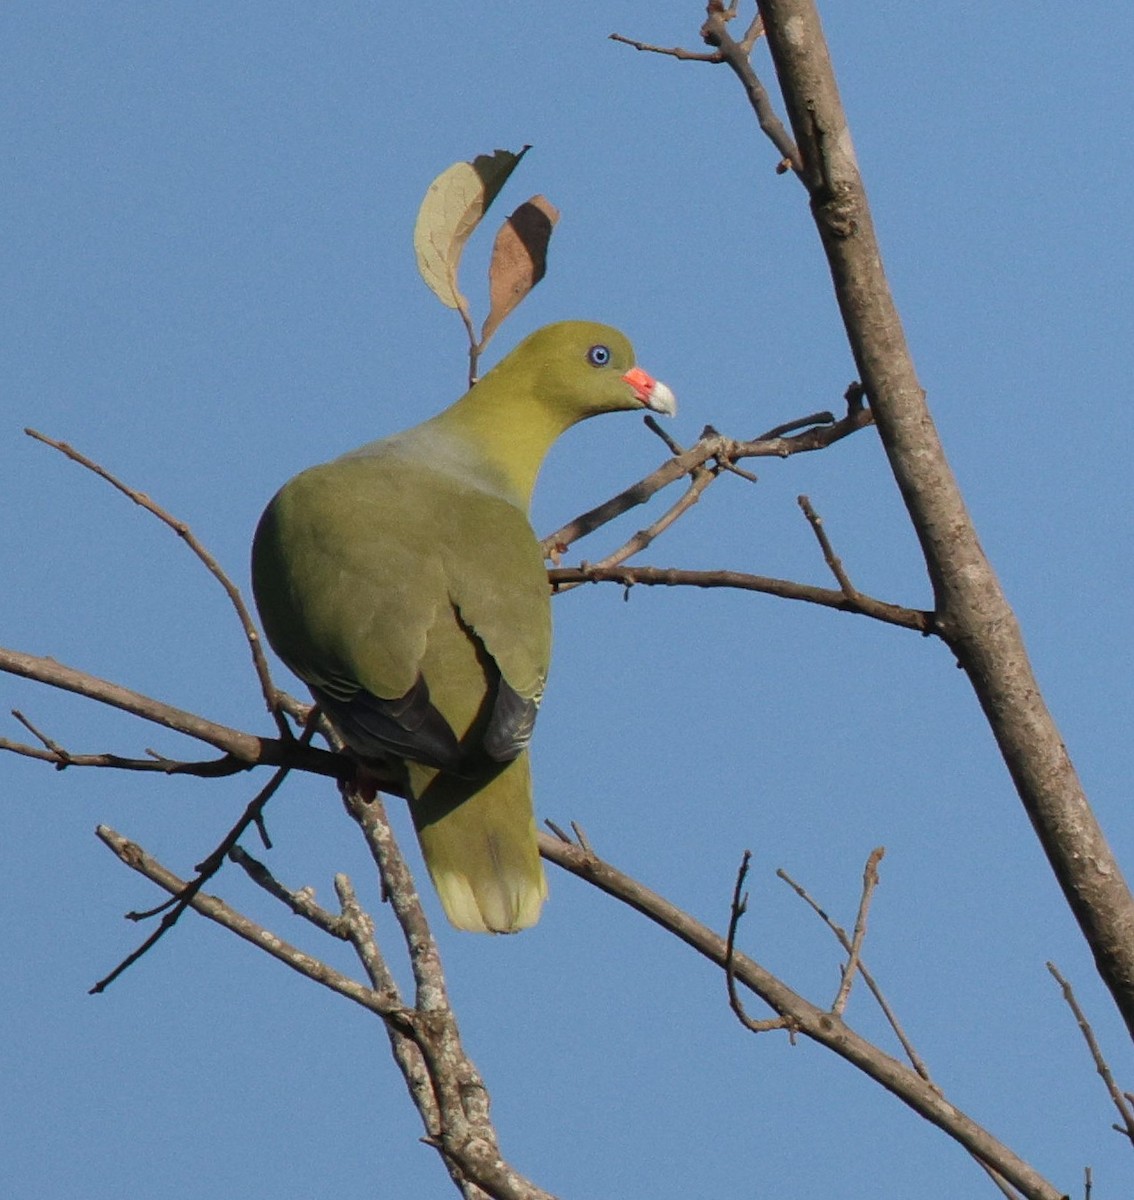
<point x="582" y="368"/>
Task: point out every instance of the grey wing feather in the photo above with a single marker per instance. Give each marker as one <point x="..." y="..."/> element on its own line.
<point x="410" y="727"/>
<point x="510" y="724"/>
<point x="406" y="727"/>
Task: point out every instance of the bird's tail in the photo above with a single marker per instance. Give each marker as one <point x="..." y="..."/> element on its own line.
<point x="479" y="843"/>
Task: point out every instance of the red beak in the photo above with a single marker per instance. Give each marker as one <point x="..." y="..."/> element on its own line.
<point x="651" y="392"/>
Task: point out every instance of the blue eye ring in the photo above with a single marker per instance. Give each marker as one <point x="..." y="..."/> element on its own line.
<point x="598" y="356"/>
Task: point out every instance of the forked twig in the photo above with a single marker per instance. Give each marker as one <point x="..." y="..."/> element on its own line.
<point x="301" y="902"/>
<point x="700" y="479"/>
<point x="216" y="910"/>
<point x="853" y="963"/>
<point x="853" y="946"/>
<point x="915" y="1059"/>
<point x="247" y="748"/>
<point x="60" y="757"/>
<point x="727" y="452"/>
<point x="173" y="908"/>
<point x="808" y="1019"/>
<point x="735" y="54"/>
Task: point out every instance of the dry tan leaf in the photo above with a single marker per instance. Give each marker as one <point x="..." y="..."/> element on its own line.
<point x="452" y="208"/>
<point x="519" y="259"/>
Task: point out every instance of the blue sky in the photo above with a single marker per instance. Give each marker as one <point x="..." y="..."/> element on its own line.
<point x="209" y="284"/>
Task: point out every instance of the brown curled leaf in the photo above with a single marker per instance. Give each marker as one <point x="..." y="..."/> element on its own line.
<point x="519" y="259"/>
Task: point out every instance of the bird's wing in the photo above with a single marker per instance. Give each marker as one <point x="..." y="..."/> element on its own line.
<point x="410" y="602"/>
<point x="498" y="586"/>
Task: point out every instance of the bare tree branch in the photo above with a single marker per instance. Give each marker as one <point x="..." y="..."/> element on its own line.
<point x="671" y="51"/>
<point x="974" y="616"/>
<point x="442" y="1080"/>
<point x="301" y="902"/>
<point x="355" y="925"/>
<point x="216" y="910"/>
<point x="407" y="1054"/>
<point x="467" y="1138"/>
<point x="62" y="758"/>
<point x="701" y="477"/>
<point x="810" y="1020"/>
<point x="825" y="432"/>
<point x="738" y="56"/>
<point x="246" y="747"/>
<point x="880" y="610"/>
<point x="916" y="1061"/>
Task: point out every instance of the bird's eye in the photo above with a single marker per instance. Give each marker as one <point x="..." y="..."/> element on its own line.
<point x="598" y="356"/>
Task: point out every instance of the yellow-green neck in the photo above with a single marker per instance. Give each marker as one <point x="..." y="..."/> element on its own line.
<point x="510" y="428"/>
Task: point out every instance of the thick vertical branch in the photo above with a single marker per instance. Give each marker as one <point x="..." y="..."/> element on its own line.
<point x="973" y="615"/>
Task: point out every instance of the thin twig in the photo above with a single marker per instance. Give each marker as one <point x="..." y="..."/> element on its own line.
<point x="777" y="431"/>
<point x="700" y="479"/>
<point x="581" y="839"/>
<point x="301" y="902"/>
<point x="738" y="57"/>
<point x="737" y="910"/>
<point x="62" y="758"/>
<point x="251" y="633"/>
<point x="829" y="556"/>
<point x="869" y="883"/>
<point x="654" y="426"/>
<point x="754" y="33"/>
<point x="559" y="832"/>
<point x="670" y="51"/>
<point x="733" y="469"/>
<point x="359" y="926"/>
<point x="1125" y="1110"/>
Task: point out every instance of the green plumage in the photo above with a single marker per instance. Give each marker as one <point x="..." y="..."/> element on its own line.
<point x="404" y="584"/>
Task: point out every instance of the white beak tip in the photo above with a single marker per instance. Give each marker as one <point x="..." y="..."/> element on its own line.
<point x="662" y="400"/>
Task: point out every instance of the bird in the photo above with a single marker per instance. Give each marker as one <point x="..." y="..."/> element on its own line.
<point x="404" y="584"/>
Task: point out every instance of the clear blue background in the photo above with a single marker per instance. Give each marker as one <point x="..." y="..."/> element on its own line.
<point x="209" y="283"/>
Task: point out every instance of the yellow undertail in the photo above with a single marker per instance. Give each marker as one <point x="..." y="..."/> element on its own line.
<point x="479" y="843"/>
